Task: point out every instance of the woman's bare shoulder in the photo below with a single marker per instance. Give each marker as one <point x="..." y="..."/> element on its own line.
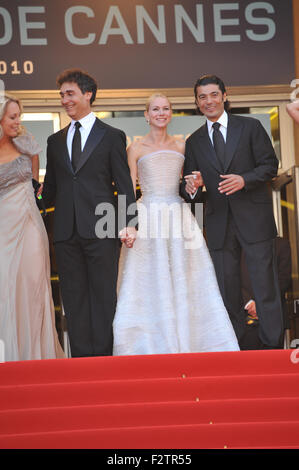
<point x="179" y="144"/>
<point x="138" y="148"/>
<point x="134" y="149"/>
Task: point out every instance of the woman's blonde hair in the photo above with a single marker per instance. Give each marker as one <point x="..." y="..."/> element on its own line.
<point x="153" y="97"/>
<point x="4" y="102"/>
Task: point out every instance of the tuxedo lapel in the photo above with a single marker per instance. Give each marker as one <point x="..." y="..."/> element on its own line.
<point x="65" y="152"/>
<point x="96" y="134"/>
<point x="206" y="147"/>
<point x="234" y="130"/>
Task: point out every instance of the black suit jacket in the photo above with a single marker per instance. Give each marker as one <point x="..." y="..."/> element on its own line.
<point x="102" y="162"/>
<point x="249" y="153"/>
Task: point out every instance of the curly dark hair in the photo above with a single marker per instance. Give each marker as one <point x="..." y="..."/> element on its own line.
<point x="84" y="81"/>
<point x="207" y="80"/>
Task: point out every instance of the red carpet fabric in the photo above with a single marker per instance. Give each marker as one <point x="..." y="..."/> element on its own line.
<point x="231" y="400"/>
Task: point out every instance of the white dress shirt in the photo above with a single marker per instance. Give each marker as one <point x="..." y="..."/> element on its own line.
<point x="86" y="124"/>
<point x="223" y="121"/>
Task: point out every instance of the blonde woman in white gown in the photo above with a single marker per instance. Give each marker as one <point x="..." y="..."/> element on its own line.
<point x="168" y="296"/>
<point x="27" y="321"/>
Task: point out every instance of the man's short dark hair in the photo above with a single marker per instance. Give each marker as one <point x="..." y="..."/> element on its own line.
<point x="208" y="80"/>
<point x="84" y="81"/>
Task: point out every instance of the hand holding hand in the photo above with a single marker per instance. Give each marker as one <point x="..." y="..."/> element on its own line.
<point x="128" y="236"/>
<point x="193" y="182"/>
<point x="231" y="184"/>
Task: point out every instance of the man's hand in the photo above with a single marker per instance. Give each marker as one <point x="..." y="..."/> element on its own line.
<point x="193" y="182"/>
<point x="128" y="236"/>
<point x="251" y="309"/>
<point x="231" y="184"/>
<point x="40" y="190"/>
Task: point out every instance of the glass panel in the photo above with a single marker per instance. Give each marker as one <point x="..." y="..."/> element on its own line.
<point x="195" y="121"/>
<point x="273" y="112"/>
<point x="103" y="114"/>
<point x="41" y="125"/>
<point x="288" y="186"/>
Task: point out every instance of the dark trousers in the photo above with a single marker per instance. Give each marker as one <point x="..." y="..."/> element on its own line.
<point x="88" y="277"/>
<point x="260" y="259"/>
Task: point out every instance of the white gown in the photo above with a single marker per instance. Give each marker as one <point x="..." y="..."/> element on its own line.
<point x="168" y="296"/>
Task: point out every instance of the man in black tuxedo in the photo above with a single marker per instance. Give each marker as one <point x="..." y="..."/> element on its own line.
<point x="232" y="156"/>
<point x="86" y="164"/>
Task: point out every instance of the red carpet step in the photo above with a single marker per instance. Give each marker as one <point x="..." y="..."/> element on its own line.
<point x="231" y="400"/>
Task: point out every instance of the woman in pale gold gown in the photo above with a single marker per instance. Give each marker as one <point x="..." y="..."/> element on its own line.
<point x="27" y="320"/>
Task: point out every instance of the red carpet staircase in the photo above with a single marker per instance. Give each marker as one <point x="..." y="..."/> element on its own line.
<point x="247" y="399"/>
